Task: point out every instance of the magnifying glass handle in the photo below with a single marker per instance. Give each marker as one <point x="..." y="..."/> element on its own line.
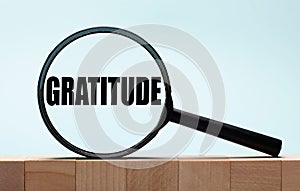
<point x="256" y="141"/>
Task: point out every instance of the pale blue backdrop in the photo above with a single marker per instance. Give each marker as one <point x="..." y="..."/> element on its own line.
<point x="255" y="44"/>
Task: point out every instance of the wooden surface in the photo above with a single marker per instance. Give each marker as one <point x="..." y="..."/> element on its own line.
<point x="204" y="174"/>
<point x="53" y="175"/>
<point x="182" y="174"/>
<point x="161" y="177"/>
<point x="99" y="175"/>
<point x="255" y="175"/>
<point x="12" y="173"/>
<point x="291" y="173"/>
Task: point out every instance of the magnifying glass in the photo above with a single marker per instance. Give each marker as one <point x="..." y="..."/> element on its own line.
<point x="166" y="112"/>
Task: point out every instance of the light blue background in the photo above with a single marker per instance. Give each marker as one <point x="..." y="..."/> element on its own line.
<point x="255" y="44"/>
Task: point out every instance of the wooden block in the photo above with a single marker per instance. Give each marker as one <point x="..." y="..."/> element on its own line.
<point x="50" y="175"/>
<point x="163" y="177"/>
<point x="206" y="175"/>
<point x="11" y="174"/>
<point x="256" y="174"/>
<point x="291" y="173"/>
<point x="96" y="175"/>
<point x="185" y="173"/>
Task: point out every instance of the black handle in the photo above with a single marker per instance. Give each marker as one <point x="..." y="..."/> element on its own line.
<point x="257" y="141"/>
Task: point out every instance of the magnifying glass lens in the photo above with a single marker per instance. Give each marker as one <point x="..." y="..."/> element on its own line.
<point x="105" y="100"/>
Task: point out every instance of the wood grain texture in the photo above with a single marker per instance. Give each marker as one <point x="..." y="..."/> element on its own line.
<point x="97" y="175"/>
<point x="185" y="173"/>
<point x="204" y="175"/>
<point x="262" y="175"/>
<point x="50" y="175"/>
<point x="12" y="174"/>
<point x="291" y="173"/>
<point x="163" y="177"/>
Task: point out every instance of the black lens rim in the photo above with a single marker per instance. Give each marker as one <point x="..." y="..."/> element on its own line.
<point x="165" y="116"/>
